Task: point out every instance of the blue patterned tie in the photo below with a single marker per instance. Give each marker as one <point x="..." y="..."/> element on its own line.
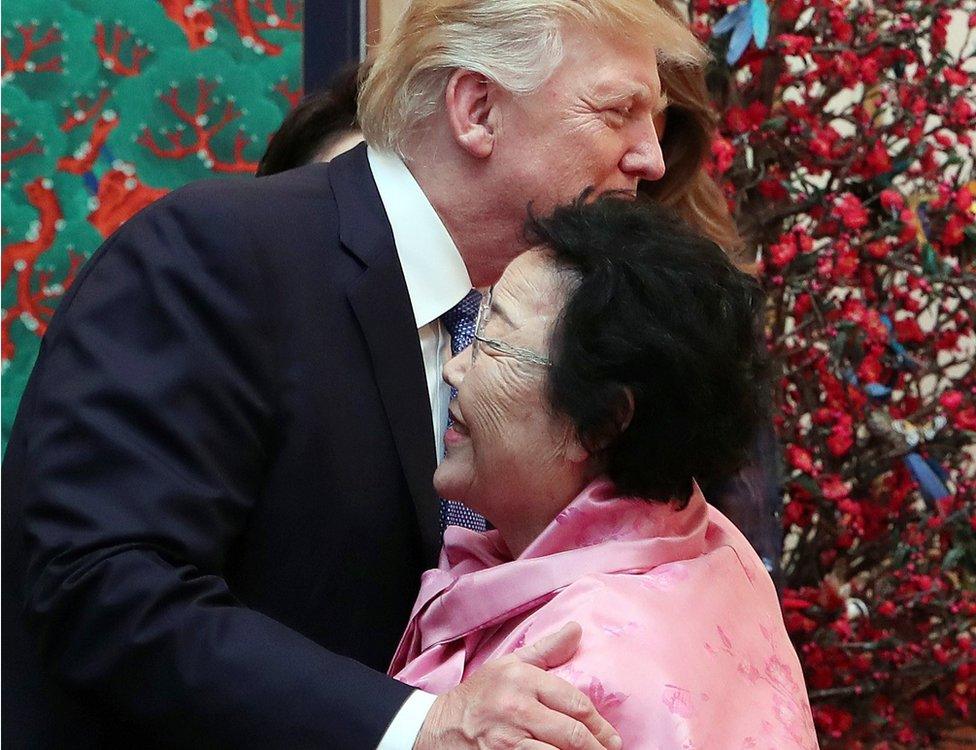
<point x="459" y="321"/>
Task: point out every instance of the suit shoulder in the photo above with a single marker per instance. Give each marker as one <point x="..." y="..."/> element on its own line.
<point x="246" y="201"/>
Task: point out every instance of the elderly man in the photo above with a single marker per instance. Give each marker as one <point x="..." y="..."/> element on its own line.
<point x="217" y="494"/>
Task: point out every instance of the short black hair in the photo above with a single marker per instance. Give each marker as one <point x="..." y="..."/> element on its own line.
<point x="320" y="118"/>
<point x="657" y="311"/>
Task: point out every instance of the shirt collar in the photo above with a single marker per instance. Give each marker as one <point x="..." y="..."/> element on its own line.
<point x="432" y="266"/>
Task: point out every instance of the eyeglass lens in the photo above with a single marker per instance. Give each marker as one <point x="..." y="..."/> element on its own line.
<point x="484" y="312"/>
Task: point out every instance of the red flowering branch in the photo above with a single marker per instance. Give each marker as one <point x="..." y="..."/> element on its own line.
<point x="33" y="146"/>
<point x="241" y="13"/>
<point x="846" y="150"/>
<point x="202" y="131"/>
<point x="194" y="20"/>
<point x="111" y="56"/>
<point x="84" y="110"/>
<point x="292" y="95"/>
<point x="25" y="62"/>
<point x="86" y="154"/>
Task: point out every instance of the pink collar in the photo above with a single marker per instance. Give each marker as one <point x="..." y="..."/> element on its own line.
<point x="477" y="584"/>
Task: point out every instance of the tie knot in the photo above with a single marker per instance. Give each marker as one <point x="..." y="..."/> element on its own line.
<point x="460" y="319"/>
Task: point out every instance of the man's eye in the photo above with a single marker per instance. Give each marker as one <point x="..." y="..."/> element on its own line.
<point x="617" y="115"/>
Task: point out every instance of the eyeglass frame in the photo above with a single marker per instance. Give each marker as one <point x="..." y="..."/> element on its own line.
<point x="518" y="353"/>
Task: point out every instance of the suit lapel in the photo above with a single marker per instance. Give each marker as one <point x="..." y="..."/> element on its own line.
<point x="381" y="303"/>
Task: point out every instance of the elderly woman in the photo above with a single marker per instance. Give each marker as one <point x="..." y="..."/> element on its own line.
<point x="614" y="367"/>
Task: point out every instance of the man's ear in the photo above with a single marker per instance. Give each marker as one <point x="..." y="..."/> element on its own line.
<point x="468" y="101"/>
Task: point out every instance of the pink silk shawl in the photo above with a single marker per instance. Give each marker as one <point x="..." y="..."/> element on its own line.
<point x="683" y="640"/>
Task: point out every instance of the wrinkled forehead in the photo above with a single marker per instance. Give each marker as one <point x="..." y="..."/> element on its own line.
<point x="593" y="68"/>
<point x="531" y="292"/>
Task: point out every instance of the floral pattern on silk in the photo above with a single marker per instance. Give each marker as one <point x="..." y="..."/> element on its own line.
<point x="683" y="640"/>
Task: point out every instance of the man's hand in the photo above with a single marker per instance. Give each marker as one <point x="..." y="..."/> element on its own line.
<point x="513" y="702"/>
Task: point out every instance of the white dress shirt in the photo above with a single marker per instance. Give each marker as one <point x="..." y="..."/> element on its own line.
<point x="436" y="281"/>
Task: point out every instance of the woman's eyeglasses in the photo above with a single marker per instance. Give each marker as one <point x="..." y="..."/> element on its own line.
<point x="517" y="352"/>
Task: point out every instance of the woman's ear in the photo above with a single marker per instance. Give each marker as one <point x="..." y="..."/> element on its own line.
<point x="618" y="422"/>
<point x="622" y="416"/>
<point x="624" y="413"/>
<point x="468" y="102"/>
<point x="576" y="453"/>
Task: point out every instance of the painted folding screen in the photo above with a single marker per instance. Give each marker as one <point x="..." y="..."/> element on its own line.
<point x="108" y="105"/>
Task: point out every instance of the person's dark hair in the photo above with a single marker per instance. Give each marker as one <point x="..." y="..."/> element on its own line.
<point x="320" y="119"/>
<point x="657" y="311"/>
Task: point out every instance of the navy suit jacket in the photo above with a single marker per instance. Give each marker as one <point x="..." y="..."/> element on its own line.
<point x="217" y="495"/>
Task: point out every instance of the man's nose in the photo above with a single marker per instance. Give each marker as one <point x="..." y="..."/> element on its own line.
<point x="644" y="159"/>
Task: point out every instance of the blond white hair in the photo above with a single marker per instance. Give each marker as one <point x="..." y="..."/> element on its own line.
<point x="515" y="43"/>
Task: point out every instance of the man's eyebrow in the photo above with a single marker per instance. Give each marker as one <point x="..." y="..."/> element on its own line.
<point x="635" y="93"/>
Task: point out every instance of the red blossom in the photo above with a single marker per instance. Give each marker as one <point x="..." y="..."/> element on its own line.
<point x="951" y="400"/>
<point x="878" y="159"/>
<point x="962" y="112"/>
<point x="841" y="439"/>
<point x="795" y="44"/>
<point x="834" y="721"/>
<point x="861" y="210"/>
<point x="908" y="331"/>
<point x="965" y="419"/>
<point x="892" y="200"/>
<point x="927" y="709"/>
<point x="789" y="10"/>
<point x="723" y="154"/>
<point x="956" y="77"/>
<point x="954" y="232"/>
<point x="833" y="487"/>
<point x="782" y="252"/>
<point x="850" y="211"/>
<point x="964" y="198"/>
<point x="877" y="249"/>
<point x="800" y="458"/>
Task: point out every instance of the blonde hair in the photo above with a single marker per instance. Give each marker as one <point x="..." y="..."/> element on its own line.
<point x="515" y="43"/>
<point x="686" y="144"/>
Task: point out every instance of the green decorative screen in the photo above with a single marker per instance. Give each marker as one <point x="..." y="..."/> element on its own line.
<point x="108" y="105"/>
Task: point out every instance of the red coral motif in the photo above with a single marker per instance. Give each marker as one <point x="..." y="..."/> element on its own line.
<point x="194" y="19"/>
<point x="111" y="56"/>
<point x="25" y="62"/>
<point x="34" y="303"/>
<point x="21" y="255"/>
<point x="84" y="110"/>
<point x="241" y="13"/>
<point x="202" y="132"/>
<point x="292" y="95"/>
<point x="86" y="154"/>
<point x="120" y="195"/>
<point x="8" y="155"/>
